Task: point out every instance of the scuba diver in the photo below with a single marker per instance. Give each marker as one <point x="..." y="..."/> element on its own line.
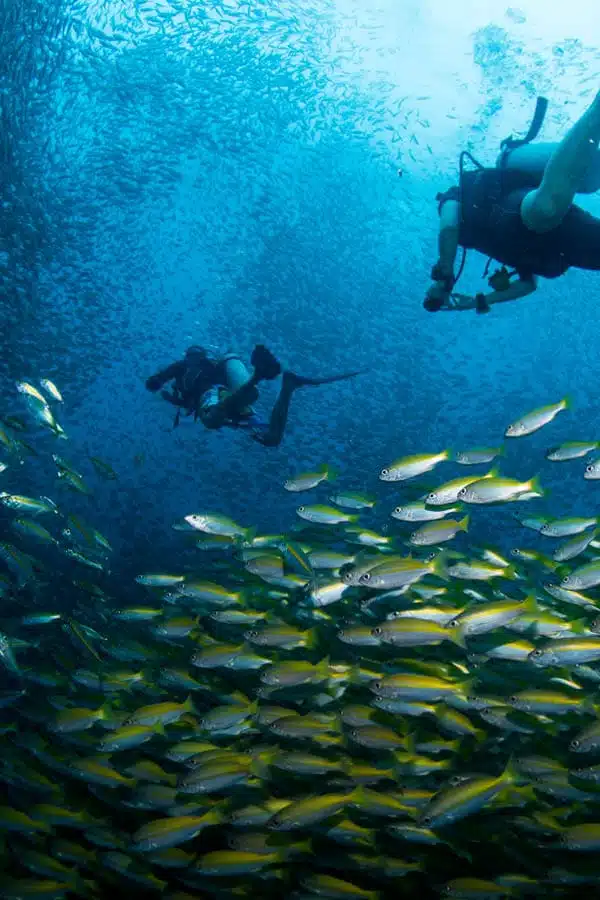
<point x="521" y="214"/>
<point x="220" y="392"/>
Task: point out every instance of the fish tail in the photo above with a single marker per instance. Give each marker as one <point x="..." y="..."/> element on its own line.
<point x="479" y="735"/>
<point x="510" y="774"/>
<point x="535" y="485"/>
<point x="530" y="604"/>
<point x="566" y="402"/>
<point x="312" y="638"/>
<point x="261" y="764"/>
<point x="327" y="470"/>
<point x="439" y="566"/>
<point x="457" y="637"/>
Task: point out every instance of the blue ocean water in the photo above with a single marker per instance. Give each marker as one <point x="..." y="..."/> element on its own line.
<point x="227" y="174"/>
<point x="230" y="173"/>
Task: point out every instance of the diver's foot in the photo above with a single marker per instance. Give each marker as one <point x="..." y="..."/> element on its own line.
<point x="292" y="381"/>
<point x="266" y="366"/>
<point x="433" y="304"/>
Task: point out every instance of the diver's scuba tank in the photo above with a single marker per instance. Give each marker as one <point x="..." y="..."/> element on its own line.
<point x="235" y="371"/>
<point x="518" y="154"/>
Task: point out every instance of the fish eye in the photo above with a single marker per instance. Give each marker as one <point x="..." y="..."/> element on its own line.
<point x="251" y="634"/>
<point x="377" y="631"/>
<point x="589" y="468"/>
<point x="366" y="577"/>
<point x="513" y="699"/>
<point x="378" y="685"/>
<point x="575" y="744"/>
<point x="301" y="508"/>
<point x="426" y="821"/>
<point x="535" y="654"/>
<point x="398" y="509"/>
<point x="431" y="496"/>
<point x="385" y="471"/>
<point x="453" y="623"/>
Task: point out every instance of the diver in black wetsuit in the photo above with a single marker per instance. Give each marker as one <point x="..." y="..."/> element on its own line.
<point x="522" y="214"/>
<point x="220" y="392"/>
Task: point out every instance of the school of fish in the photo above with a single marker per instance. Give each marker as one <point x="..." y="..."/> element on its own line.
<point x="337" y="711"/>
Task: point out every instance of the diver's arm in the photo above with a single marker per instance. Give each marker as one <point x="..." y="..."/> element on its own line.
<point x="520" y="288"/>
<point x="171" y="397"/>
<point x="442" y="274"/>
<point x="448" y="237"/>
<point x="155" y="382"/>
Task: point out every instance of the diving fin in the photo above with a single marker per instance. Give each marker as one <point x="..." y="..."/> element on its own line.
<point x="266" y="366"/>
<point x="300" y="380"/>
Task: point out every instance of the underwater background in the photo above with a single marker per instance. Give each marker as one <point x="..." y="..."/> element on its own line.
<point x="227" y="174"/>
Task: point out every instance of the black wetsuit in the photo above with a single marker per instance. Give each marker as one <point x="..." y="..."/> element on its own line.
<point x="491" y="223"/>
<point x="191" y="381"/>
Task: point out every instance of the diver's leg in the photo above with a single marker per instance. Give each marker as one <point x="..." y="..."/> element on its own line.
<point x="235" y="404"/>
<point x="244" y="392"/>
<point x="544" y="208"/>
<point x="209" y="410"/>
<point x="242" y="385"/>
<point x="578" y="239"/>
<point x="273" y="434"/>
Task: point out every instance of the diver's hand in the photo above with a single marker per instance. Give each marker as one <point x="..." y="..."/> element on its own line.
<point x="437" y="297"/>
<point x="171" y="398"/>
<point x="153" y="383"/>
